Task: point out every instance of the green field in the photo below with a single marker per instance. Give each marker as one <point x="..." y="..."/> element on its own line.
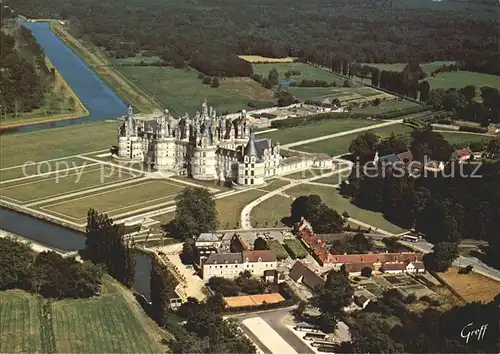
<point x="459" y="79"/>
<point x="340" y="145"/>
<point x="270" y="212"/>
<point x="334" y="179"/>
<point x="308" y="72"/>
<point x="137" y="60"/>
<point x="31" y="169"/>
<point x="334" y="200"/>
<point x="295" y="248"/>
<point x="313" y="172"/>
<point x="117" y="200"/>
<point x="463" y="138"/>
<point x="274" y="184"/>
<point x="181" y="91"/>
<point x="38" y="188"/>
<point x="342" y="93"/>
<point x="229" y="208"/>
<point x="111" y="323"/>
<point x="384" y="107"/>
<point x="313" y="130"/>
<point x="17" y="149"/>
<point x="281" y="252"/>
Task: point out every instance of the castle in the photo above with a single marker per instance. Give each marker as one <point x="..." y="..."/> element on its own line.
<point x="206" y="147"/>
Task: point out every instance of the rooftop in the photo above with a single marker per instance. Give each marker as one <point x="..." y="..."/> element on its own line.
<point x="253" y="300"/>
<point x="208" y="237"/>
<point x="259" y="256"/>
<point x="222" y="258"/>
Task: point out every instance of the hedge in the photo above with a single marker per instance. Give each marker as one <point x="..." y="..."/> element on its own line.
<point x="295" y="248"/>
<point x="299" y="121"/>
<point x="464" y="128"/>
<point x="281" y="252"/>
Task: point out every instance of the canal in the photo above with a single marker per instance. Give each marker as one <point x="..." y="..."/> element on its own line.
<point x="101" y="101"/>
<point x="102" y="104"/>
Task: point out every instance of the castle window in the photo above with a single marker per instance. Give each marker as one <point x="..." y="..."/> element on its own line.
<point x="253" y="165"/>
<point x="203" y="154"/>
<point x="246" y="172"/>
<point x="252" y="173"/>
<point x="246" y="181"/>
<point x="251" y="181"/>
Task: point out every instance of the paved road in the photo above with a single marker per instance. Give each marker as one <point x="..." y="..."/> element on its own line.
<point x="348" y="132"/>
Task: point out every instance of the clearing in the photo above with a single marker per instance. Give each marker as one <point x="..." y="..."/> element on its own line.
<point x="385" y="107"/>
<point x="459" y="79"/>
<point x="428" y="68"/>
<point x="337" y="202"/>
<point x="110" y="323"/>
<point x="472" y="286"/>
<point x="461" y="139"/>
<point x="260" y="59"/>
<point x="316" y="129"/>
<point x="181" y="91"/>
<point x="340" y="145"/>
<point x="307" y="72"/>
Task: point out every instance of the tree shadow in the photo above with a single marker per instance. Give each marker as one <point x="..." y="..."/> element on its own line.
<point x="483" y="256"/>
<point x="287" y="221"/>
<point x="171" y="230"/>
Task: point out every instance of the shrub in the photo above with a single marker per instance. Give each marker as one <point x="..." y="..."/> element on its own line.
<point x="295" y="248"/>
<point x="281" y="252"/>
<point x="465" y="270"/>
<point x="226" y="287"/>
<point x="467" y="128"/>
<point x="207" y="80"/>
<point x="411" y="298"/>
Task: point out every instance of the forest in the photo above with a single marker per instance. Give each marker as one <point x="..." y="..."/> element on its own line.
<point x="208" y="34"/>
<point x="24" y="76"/>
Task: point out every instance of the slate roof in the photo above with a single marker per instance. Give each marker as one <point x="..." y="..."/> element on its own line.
<point x="356" y="267"/>
<point x="224" y="258"/>
<point x="263" y="255"/>
<point x="376" y="257"/>
<point x="309" y="277"/>
<point x="250" y="147"/>
<point x="394" y="266"/>
<point x="405" y="157"/>
<point x="360" y="300"/>
<point x="388" y="159"/>
<point x="208" y="237"/>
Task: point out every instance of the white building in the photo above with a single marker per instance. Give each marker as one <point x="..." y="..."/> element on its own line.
<point x="230" y="265"/>
<point x="206" y="147"/>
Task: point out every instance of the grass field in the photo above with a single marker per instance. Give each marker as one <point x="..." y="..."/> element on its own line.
<point x="116" y="200"/>
<point x="19" y="323"/>
<point x="340" y="145"/>
<point x="229" y="208"/>
<point x="207" y="184"/>
<point x="314" y="172"/>
<point x="98" y="61"/>
<point x="31" y="190"/>
<point x="357" y="92"/>
<point x="313" y="130"/>
<point x="111" y="323"/>
<point x="137" y="60"/>
<point x="46" y="168"/>
<point x="274" y="184"/>
<point x="464" y="138"/>
<point x="334" y="179"/>
<point x="459" y="79"/>
<point x="472" y="286"/>
<point x="385" y="106"/>
<point x="16" y="149"/>
<point x="308" y="72"/>
<point x="295" y="248"/>
<point x="271" y="211"/>
<point x="334" y="200"/>
<point x="181" y="91"/>
<point x="281" y="252"/>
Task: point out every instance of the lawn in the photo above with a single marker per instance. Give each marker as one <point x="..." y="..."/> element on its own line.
<point x="308" y="72"/>
<point x="459" y="79"/>
<point x="229" y="208"/>
<point x="462" y="139"/>
<point x="340" y="145"/>
<point x="385" y="106"/>
<point x="313" y="130"/>
<point x="472" y="286"/>
<point x="34" y="169"/>
<point x="39" y="188"/>
<point x="295" y="248"/>
<point x="342" y="93"/>
<point x="271" y="211"/>
<point x="261" y="59"/>
<point x="17" y="149"/>
<point x="19" y="323"/>
<point x="334" y="200"/>
<point x="110" y="323"/>
<point x="181" y="91"/>
<point x="147" y="194"/>
<point x="274" y="184"/>
<point x="334" y="179"/>
<point x="314" y="172"/>
<point x="214" y="184"/>
<point x="281" y="252"/>
<point x="137" y="60"/>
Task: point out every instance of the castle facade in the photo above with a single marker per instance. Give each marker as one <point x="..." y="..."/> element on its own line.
<point x="205" y="147"/>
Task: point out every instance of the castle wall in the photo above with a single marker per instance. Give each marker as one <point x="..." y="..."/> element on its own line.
<point x="204" y="163"/>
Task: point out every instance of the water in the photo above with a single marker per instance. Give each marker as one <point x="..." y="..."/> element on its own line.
<point x="287" y="81"/>
<point x="99" y="99"/>
<point x="59" y="237"/>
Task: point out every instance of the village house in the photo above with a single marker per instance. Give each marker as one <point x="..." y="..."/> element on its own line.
<point x="230" y="265"/>
<point x="406" y="267"/>
<point x="461" y="155"/>
<point x="305" y="275"/>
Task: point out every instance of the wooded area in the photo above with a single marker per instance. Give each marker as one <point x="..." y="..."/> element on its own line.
<point x="208" y="35"/>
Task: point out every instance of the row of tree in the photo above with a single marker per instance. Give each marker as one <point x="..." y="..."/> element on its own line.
<point x="46" y="273"/>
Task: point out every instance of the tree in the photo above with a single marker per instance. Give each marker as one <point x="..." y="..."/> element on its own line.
<point x="16" y="258"/>
<point x="370" y="334"/>
<point x="105" y="244"/>
<point x="336" y="294"/>
<point x="366" y="272"/>
<point x="260" y="244"/>
<point x="442" y="256"/>
<point x="188" y="255"/>
<point x="376" y="101"/>
<point x="215" y="82"/>
<point x="346" y="83"/>
<point x="195" y="213"/>
<point x="392" y="145"/>
<point x="163" y="285"/>
<point x="364" y="146"/>
<point x="273" y="78"/>
<point x="469" y="92"/>
<point x="226" y="287"/>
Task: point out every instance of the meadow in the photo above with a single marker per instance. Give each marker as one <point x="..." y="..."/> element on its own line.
<point x="385" y="107"/>
<point x="56" y="142"/>
<point x="337" y="202"/>
<point x="229" y="208"/>
<point x="271" y="211"/>
<point x="461" y="139"/>
<point x="428" y="68"/>
<point x="345" y="94"/>
<point x="261" y="59"/>
<point x="459" y="79"/>
<point x="110" y="323"/>
<point x="340" y="145"/>
<point x="313" y="130"/>
<point x="308" y="72"/>
<point x="181" y="91"/>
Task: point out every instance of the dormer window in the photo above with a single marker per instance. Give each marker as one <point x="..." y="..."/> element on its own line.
<point x="260" y="259"/>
